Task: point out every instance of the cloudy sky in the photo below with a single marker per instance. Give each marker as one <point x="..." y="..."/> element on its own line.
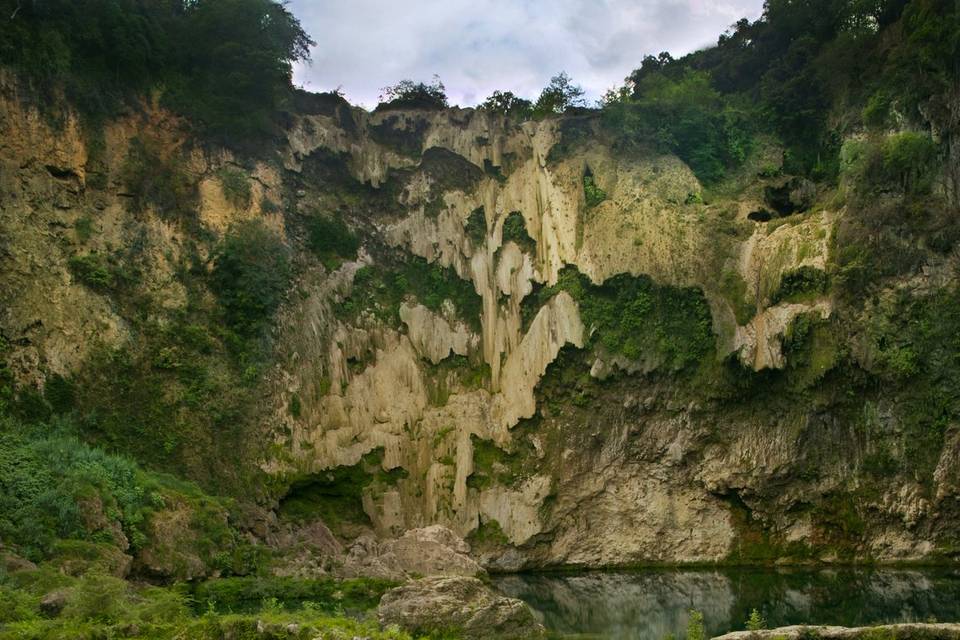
<point x="477" y="46"/>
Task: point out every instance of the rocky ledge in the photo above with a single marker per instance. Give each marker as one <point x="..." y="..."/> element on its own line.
<point x="883" y="632"/>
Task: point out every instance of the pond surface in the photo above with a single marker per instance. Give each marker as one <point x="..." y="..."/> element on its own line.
<point x="654" y="604"/>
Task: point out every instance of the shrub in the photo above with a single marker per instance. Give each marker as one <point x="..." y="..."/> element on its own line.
<point x="331" y="240"/>
<point x="799" y="284"/>
<point x="408" y="94"/>
<point x="250" y="275"/>
<point x="695" y="628"/>
<point x="515" y="230"/>
<point x="593" y="194"/>
<point x="476" y="226"/>
<point x="92" y="270"/>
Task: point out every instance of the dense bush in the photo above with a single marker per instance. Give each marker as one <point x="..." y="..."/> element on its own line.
<point x="55" y="487"/>
<point x="381" y="291"/>
<point x="226" y="64"/>
<point x="408" y="94"/>
<point x="515" y="230"/>
<point x="250" y="275"/>
<point x="507" y="104"/>
<point x="660" y="325"/>
<point x="331" y="240"/>
<point x="799" y="284"/>
<point x="903" y="162"/>
<point x="686" y="116"/>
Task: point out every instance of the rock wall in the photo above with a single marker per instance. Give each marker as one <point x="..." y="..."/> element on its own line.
<point x="515" y="429"/>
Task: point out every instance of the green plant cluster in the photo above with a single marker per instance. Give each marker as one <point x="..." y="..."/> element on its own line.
<point x="226" y="65"/>
<point x="408" y="94"/>
<point x="331" y="240"/>
<point x="800" y="284"/>
<point x="97" y="606"/>
<point x="327" y="596"/>
<point x="808" y="72"/>
<point x="592" y="192"/>
<point x="251" y="272"/>
<point x="476" y="226"/>
<point x="903" y="162"/>
<point x="381" y="291"/>
<point x="633" y="316"/>
<point x="79" y="508"/>
<point x="515" y="230"/>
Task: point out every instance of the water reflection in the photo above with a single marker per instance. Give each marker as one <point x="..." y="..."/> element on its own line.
<point x="654" y="604"/>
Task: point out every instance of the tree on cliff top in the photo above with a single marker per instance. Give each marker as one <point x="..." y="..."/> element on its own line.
<point x="226" y="64"/>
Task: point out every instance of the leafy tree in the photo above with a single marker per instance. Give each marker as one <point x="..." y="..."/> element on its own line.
<point x="408" y="94"/>
<point x="250" y="275"/>
<point x="558" y="96"/>
<point x="508" y="104"/>
<point x="226" y="64"/>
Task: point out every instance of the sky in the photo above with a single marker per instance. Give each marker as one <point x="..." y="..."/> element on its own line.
<point x="478" y="46"/>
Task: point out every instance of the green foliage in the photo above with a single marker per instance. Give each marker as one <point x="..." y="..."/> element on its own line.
<point x="83" y="227"/>
<point x="558" y="96"/>
<point x="155" y="179"/>
<point x="507" y="104"/>
<point x="695" y="628"/>
<point x="57" y="487"/>
<point x="226" y="65"/>
<point x="800" y="284"/>
<point x="756" y="622"/>
<point x="236" y="187"/>
<point x="683" y="115"/>
<point x="250" y="275"/>
<point x="408" y="94"/>
<point x="903" y="162"/>
<point x="324" y="596"/>
<point x="515" y="230"/>
<point x="93" y="270"/>
<point x="662" y="325"/>
<point x="381" y="291"/>
<point x="331" y="240"/>
<point x="592" y="193"/>
<point x="476" y="226"/>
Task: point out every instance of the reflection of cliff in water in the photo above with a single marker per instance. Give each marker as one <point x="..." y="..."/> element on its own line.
<point x="654" y="604"/>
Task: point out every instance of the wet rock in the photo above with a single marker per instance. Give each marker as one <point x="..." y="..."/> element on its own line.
<point x="465" y="606"/>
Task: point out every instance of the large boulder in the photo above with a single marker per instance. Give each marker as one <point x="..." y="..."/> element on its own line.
<point x="458" y="605"/>
<point x="429" y="551"/>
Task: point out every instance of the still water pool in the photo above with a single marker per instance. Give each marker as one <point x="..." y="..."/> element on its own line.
<point x="654" y="604"/>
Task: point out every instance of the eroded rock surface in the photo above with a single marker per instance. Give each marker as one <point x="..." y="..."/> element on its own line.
<point x="464" y="606"/>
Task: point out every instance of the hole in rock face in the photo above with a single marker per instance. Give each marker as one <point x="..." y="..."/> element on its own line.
<point x="760" y="215"/>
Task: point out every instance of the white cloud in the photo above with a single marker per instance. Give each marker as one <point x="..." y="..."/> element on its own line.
<point x="477" y="46"/>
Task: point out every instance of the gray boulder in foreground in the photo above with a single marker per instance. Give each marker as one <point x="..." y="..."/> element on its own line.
<point x="907" y="631"/>
<point x="458" y="605"/>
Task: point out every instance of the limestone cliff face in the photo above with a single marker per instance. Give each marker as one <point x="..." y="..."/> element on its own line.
<point x="614" y="464"/>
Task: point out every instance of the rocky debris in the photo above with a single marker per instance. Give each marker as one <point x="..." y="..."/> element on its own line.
<point x="891" y="631"/>
<point x="11" y="562"/>
<point x="464" y="606"/>
<point x="53" y="603"/>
